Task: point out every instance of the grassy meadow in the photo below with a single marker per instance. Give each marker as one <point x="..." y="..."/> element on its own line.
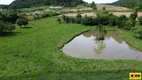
<point x="33" y="54"/>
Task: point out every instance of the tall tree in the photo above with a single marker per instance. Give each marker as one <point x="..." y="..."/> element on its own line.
<point x="93" y="5"/>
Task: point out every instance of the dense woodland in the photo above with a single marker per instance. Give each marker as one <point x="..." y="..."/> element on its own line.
<point x="31" y="3"/>
<point x="133" y="4"/>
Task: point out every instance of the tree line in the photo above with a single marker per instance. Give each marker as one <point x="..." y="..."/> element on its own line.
<point x="104" y="18"/>
<point x="32" y="3"/>
<point x="8" y="19"/>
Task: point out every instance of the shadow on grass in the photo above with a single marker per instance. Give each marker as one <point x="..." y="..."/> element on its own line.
<point x="26" y="27"/>
<point x="6" y="34"/>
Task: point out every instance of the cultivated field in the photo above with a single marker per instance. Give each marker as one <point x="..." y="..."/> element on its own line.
<point x="112" y="8"/>
<point x="99" y="7"/>
<point x="75" y="10"/>
<point x="93" y="14"/>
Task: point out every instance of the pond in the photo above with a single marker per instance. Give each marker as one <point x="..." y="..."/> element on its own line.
<point x="113" y="47"/>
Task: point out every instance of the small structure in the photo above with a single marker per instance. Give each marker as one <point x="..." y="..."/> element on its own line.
<point x="0" y="9"/>
<point x="55" y="7"/>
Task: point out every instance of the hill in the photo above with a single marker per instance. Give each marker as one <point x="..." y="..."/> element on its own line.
<point x="3" y="6"/>
<point x="117" y="3"/>
<point x="30" y="3"/>
<point x="133" y="4"/>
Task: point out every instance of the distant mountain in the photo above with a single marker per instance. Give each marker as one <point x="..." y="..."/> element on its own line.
<point x="132" y="4"/>
<point x="30" y="3"/>
<point x="2" y="6"/>
<point x="117" y="3"/>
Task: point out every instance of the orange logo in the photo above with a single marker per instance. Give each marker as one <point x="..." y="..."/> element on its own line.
<point x="135" y="76"/>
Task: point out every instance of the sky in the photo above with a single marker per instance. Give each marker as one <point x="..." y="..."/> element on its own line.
<point x="89" y="1"/>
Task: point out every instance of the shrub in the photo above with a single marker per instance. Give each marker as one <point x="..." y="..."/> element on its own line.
<point x="138" y="34"/>
<point x="67" y="19"/>
<point x="93" y="6"/>
<point x="140" y="20"/>
<point x="64" y="17"/>
<point x="59" y="20"/>
<point x="134" y="15"/>
<point x="55" y="13"/>
<point x="104" y="8"/>
<point x="78" y="16"/>
<point x="6" y="27"/>
<point x="45" y="15"/>
<point x="21" y="22"/>
<point x="9" y="16"/>
<point x="121" y="21"/>
<point x="87" y="21"/>
<point x="129" y="24"/>
<point x="112" y="19"/>
<point x="72" y="20"/>
<point x="105" y="18"/>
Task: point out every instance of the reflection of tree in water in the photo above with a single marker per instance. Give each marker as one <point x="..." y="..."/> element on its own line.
<point x="114" y="35"/>
<point x="101" y="33"/>
<point x="87" y="34"/>
<point x="100" y="46"/>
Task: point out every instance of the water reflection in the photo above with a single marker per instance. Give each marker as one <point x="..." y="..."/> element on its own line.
<point x="100" y="46"/>
<point x="113" y="47"/>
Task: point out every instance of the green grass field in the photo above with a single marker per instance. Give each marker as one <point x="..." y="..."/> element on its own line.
<point x="33" y="54"/>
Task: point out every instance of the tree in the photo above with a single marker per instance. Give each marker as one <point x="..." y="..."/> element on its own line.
<point x="101" y="33"/>
<point x="93" y="6"/>
<point x="59" y="20"/>
<point x="121" y="21"/>
<point x="9" y="16"/>
<point x="6" y="27"/>
<point x="140" y="20"/>
<point x="104" y="8"/>
<point x="134" y="15"/>
<point x="129" y="24"/>
<point x="22" y="22"/>
<point x="78" y="18"/>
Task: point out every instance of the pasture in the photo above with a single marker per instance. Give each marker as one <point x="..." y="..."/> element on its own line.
<point x="34" y="54"/>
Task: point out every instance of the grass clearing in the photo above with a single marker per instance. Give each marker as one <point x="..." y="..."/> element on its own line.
<point x="33" y="54"/>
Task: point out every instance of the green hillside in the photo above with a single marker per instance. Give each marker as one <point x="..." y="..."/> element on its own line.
<point x="31" y="3"/>
<point x="134" y="4"/>
<point x="125" y="1"/>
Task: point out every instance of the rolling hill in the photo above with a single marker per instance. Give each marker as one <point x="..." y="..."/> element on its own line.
<point x="117" y="3"/>
<point x="30" y="3"/>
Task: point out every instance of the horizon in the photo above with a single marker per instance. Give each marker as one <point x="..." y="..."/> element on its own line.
<point x="7" y="2"/>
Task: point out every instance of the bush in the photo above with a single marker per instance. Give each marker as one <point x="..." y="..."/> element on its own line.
<point x="129" y="24"/>
<point x="45" y="15"/>
<point x="78" y="18"/>
<point x="121" y="21"/>
<point x="22" y="22"/>
<point x="6" y="27"/>
<point x="64" y="17"/>
<point x="134" y="15"/>
<point x="140" y="20"/>
<point x="59" y="20"/>
<point x="88" y="21"/>
<point x="67" y="19"/>
<point x="55" y="13"/>
<point x="72" y="20"/>
<point x="105" y="18"/>
<point x="9" y="16"/>
<point x="138" y="34"/>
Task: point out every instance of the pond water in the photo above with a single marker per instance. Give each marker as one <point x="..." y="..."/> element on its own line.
<point x="113" y="47"/>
